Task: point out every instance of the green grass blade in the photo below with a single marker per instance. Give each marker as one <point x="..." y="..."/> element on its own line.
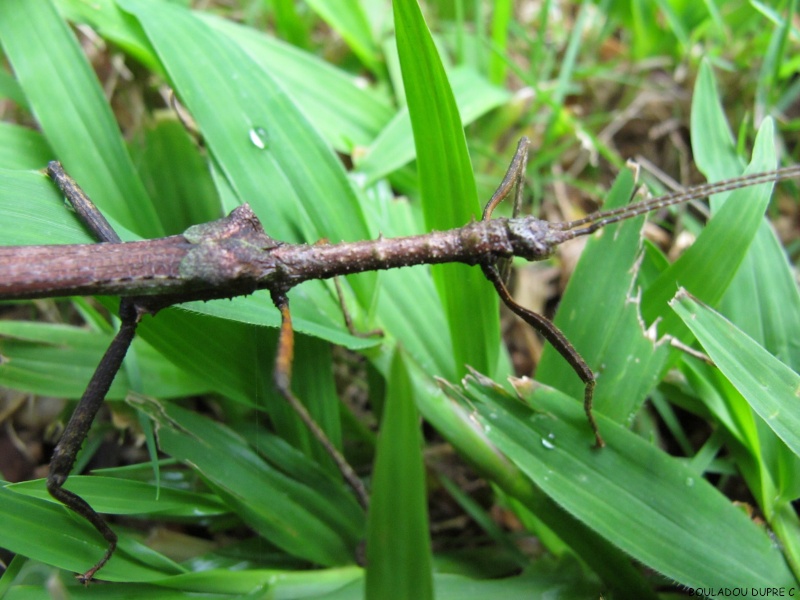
<point x="450" y="412"/>
<point x="72" y="542"/>
<point x="599" y="314"/>
<point x="186" y="193"/>
<point x="113" y="24"/>
<point x="708" y="267"/>
<point x="398" y="542"/>
<point x="447" y="188"/>
<point x="291" y="515"/>
<point x="258" y="137"/>
<point x="714" y="148"/>
<point x="12" y="570"/>
<point x="32" y="212"/>
<point x="765" y="278"/>
<point x="10" y="89"/>
<point x="345" y="113"/>
<point x="769" y="386"/>
<point x="125" y="497"/>
<point x="289" y="24"/>
<point x="394" y="145"/>
<point x="58" y="360"/>
<point x="22" y="148"/>
<point x="763" y="299"/>
<point x="645" y="502"/>
<point x="501" y="18"/>
<point x="541" y="581"/>
<point x="80" y="127"/>
<point x="347" y="18"/>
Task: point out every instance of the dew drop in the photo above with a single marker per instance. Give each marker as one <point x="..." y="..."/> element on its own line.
<point x="548" y="443"/>
<point x="359" y="179"/>
<point x="258" y="137"/>
<point x="690" y="482"/>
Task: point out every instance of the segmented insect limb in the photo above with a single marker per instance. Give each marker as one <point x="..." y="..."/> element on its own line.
<point x="283" y="381"/>
<point x="85" y="208"/>
<point x="557" y="339"/>
<point x="498" y="275"/>
<point x="72" y="439"/>
<point x="514" y="179"/>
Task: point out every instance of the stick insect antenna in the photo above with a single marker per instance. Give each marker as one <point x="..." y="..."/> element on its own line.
<point x="597" y="220"/>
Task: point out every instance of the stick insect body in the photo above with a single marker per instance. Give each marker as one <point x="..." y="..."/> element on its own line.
<point x="234" y="256"/>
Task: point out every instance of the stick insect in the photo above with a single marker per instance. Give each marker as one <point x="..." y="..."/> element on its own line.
<point x="234" y="256"/>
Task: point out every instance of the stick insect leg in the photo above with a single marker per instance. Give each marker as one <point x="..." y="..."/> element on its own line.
<point x="558" y="340"/>
<point x="348" y="321"/>
<point x="513" y="179"/>
<point x="82" y="418"/>
<point x="72" y="439"/>
<point x="85" y="208"/>
<point x="283" y="382"/>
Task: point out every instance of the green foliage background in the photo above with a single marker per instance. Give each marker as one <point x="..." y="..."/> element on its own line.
<point x="418" y="102"/>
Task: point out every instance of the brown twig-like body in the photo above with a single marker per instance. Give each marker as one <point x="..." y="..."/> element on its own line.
<point x="234" y="256"/>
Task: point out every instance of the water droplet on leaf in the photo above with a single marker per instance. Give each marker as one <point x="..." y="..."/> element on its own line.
<point x="258" y="137"/>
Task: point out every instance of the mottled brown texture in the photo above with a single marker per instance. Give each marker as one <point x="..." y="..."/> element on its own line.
<point x="234" y="256"/>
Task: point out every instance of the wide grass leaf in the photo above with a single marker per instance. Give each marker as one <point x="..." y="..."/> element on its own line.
<point x="647" y="503"/>
<point x="394" y="145"/>
<point x="562" y="581"/>
<point x="763" y="299"/>
<point x="79" y="126"/>
<point x="398" y="542"/>
<point x="125" y="497"/>
<point x="450" y="411"/>
<point x="709" y="266"/>
<point x="22" y="148"/>
<point x="58" y="360"/>
<point x="599" y="314"/>
<point x="768" y="385"/>
<point x="290" y="514"/>
<point x="267" y="150"/>
<point x="72" y="543"/>
<point x="186" y="193"/>
<point x="347" y="18"/>
<point x="123" y="591"/>
<point x="345" y="113"/>
<point x="447" y="186"/>
<point x="32" y="212"/>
